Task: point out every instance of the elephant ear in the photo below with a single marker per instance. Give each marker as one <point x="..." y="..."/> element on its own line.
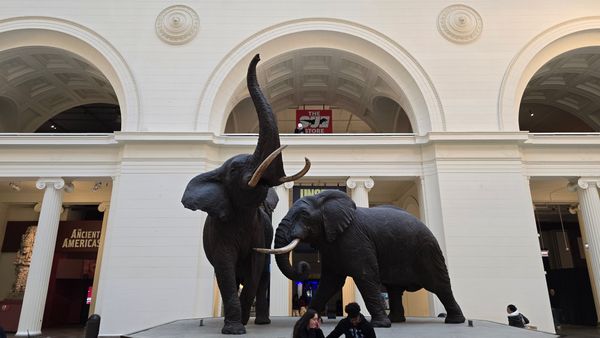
<point x="209" y="195"/>
<point x="338" y="212"/>
<point x="271" y="201"/>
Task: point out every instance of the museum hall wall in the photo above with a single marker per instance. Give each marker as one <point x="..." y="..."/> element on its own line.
<point x="470" y="163"/>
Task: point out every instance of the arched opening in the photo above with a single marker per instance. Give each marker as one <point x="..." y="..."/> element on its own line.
<point x="564" y="94"/>
<point x="55" y="90"/>
<point x="225" y="88"/>
<point x="359" y="94"/>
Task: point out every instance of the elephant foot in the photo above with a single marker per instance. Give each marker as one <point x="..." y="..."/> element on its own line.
<point x="455" y="319"/>
<point x="233" y="328"/>
<point x="262" y="320"/>
<point x="396" y="318"/>
<point x="384" y="322"/>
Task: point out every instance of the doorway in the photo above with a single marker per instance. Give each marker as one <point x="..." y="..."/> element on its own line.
<point x="563" y="255"/>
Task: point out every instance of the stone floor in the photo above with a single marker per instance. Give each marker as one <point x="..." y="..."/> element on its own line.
<point x="64" y="332"/>
<point x="281" y="327"/>
<point x="415" y="326"/>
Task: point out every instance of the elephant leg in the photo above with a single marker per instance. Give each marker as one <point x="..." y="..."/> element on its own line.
<point x="262" y="298"/>
<point x="252" y="275"/>
<point x="370" y="291"/>
<point x="229" y="294"/>
<point x="437" y="281"/>
<point x="396" y="308"/>
<point x="329" y="285"/>
<point x="454" y="313"/>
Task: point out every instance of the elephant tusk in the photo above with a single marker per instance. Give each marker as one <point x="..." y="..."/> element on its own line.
<point x="263" y="166"/>
<point x="299" y="174"/>
<point x="279" y="251"/>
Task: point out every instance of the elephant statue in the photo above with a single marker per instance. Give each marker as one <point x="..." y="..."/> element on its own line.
<point x="383" y="245"/>
<point x="238" y="203"/>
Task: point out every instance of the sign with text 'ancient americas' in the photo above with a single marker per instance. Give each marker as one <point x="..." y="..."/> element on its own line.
<point x="315" y="121"/>
<point x="81" y="236"/>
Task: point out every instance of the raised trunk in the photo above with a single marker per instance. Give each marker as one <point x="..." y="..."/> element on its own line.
<point x="268" y="137"/>
<point x="283" y="261"/>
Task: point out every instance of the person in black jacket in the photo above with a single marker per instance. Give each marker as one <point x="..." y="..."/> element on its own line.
<point x="308" y="326"/>
<point x="353" y="326"/>
<point x="515" y="318"/>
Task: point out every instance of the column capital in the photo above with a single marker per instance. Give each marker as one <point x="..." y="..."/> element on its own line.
<point x="584" y="183"/>
<point x="366" y="182"/>
<point x="288" y="185"/>
<point x="45" y="182"/>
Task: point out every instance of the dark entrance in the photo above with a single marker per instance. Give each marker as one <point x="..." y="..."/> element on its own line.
<point x="567" y="275"/>
<point x="73" y="267"/>
<point x="303" y="291"/>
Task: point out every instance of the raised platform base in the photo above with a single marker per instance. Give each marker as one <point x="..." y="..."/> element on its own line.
<point x="282" y="327"/>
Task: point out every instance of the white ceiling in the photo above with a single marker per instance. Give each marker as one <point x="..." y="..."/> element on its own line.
<point x="564" y="95"/>
<point x="357" y="90"/>
<point x="37" y="83"/>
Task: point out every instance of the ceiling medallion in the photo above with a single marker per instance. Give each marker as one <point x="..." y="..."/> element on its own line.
<point x="460" y="23"/>
<point x="177" y="24"/>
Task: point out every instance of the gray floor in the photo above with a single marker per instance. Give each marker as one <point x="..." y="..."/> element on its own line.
<point x="281" y="327"/>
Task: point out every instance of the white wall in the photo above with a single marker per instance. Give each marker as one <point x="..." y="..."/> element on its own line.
<point x="491" y="240"/>
<point x="153" y="264"/>
<point x="171" y="79"/>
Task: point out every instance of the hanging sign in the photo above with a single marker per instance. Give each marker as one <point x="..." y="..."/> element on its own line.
<point x="315" y="121"/>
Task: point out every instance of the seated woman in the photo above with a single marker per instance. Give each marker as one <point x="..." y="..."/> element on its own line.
<point x="308" y="326"/>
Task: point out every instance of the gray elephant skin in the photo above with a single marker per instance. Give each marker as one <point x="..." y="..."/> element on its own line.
<point x="376" y="246"/>
<point x="238" y="199"/>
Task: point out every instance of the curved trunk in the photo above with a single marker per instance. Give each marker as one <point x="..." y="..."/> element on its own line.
<point x="283" y="261"/>
<point x="268" y="137"/>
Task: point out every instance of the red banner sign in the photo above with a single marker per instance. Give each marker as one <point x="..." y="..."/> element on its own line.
<point x="315" y="121"/>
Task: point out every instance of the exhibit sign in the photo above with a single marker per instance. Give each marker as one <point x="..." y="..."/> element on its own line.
<point x="302" y="191"/>
<point x="315" y="121"/>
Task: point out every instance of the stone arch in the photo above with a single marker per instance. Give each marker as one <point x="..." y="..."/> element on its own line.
<point x="72" y="37"/>
<point x="570" y="35"/>
<point x="421" y="101"/>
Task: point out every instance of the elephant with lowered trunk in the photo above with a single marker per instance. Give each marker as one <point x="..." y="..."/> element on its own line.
<point x="376" y="246"/>
<point x="238" y="199"/>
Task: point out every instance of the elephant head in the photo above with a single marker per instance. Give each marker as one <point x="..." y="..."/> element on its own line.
<point x="314" y="219"/>
<point x="242" y="181"/>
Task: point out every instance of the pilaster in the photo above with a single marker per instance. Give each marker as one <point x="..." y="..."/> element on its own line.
<point x="280" y="286"/>
<point x="360" y="187"/>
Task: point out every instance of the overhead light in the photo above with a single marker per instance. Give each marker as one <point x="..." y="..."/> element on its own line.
<point x="52" y="126"/>
<point x="97" y="186"/>
<point x="14" y="186"/>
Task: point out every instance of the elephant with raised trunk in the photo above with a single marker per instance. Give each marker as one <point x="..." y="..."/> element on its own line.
<point x="238" y="199"/>
<point x="376" y="246"/>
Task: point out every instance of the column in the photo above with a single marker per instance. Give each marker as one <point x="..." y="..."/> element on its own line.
<point x="589" y="208"/>
<point x="34" y="300"/>
<point x="103" y="207"/>
<point x="280" y="286"/>
<point x="360" y="187"/>
<point x="3" y="219"/>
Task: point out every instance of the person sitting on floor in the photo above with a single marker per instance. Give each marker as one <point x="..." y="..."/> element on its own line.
<point x="515" y="318"/>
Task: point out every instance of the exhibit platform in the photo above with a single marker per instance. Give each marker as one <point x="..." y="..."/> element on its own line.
<point x="281" y="327"/>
